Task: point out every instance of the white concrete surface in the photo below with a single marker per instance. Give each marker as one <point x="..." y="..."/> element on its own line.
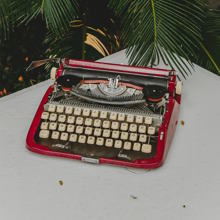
<point x="186" y="187"/>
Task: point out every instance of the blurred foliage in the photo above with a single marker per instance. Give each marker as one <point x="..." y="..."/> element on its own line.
<point x="42" y="28"/>
<point x="210" y="47"/>
<point x="150" y="29"/>
<point x="92" y="35"/>
<point x="23" y="45"/>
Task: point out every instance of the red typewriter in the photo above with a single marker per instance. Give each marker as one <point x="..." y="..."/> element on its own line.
<point x="107" y="114"/>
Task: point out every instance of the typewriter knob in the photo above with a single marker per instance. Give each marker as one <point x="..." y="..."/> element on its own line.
<point x="178" y="87"/>
<point x="154" y="93"/>
<point x="53" y="73"/>
<point x="67" y="81"/>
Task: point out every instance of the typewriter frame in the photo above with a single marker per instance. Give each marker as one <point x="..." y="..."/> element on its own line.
<point x="166" y="130"/>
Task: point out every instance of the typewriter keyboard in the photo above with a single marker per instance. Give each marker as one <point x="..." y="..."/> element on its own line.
<point x="97" y="133"/>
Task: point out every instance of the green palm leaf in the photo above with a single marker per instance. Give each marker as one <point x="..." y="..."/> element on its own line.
<point x="4" y="17"/>
<point x="210" y="47"/>
<point x="98" y="42"/>
<point x="161" y="29"/>
<point x="57" y="13"/>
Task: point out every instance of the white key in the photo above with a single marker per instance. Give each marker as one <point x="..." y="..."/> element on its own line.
<point x="70" y="128"/>
<point x="82" y="139"/>
<point x="91" y="140"/>
<point x="53" y="117"/>
<point x="45" y="115"/>
<point x="113" y="116"/>
<point x="71" y="119"/>
<point x="151" y="130"/>
<point x="64" y="136"/>
<point x="100" y="141"/>
<point x="133" y="137"/>
<point x="115" y="134"/>
<point x="118" y="144"/>
<point x="127" y="145"/>
<point x="133" y="128"/>
<point x="115" y="125"/>
<point x="124" y="126"/>
<point x="124" y="135"/>
<point x="142" y="129"/>
<point x="121" y="117"/>
<point x="103" y="114"/>
<point x="62" y="127"/>
<point x="106" y="124"/>
<point x="60" y="109"/>
<point x="136" y="146"/>
<point x="73" y="137"/>
<point x="146" y="148"/>
<point x="88" y="130"/>
<point x="148" y="120"/>
<point x="51" y="108"/>
<point x="86" y="112"/>
<point x="62" y="118"/>
<point x="79" y="129"/>
<point x="55" y="135"/>
<point x="97" y="132"/>
<point x="44" y="125"/>
<point x="143" y="138"/>
<point x="79" y="120"/>
<point x="95" y="113"/>
<point x="139" y="119"/>
<point x="109" y="142"/>
<point x="53" y="126"/>
<point x="130" y="118"/>
<point x="69" y="110"/>
<point x="77" y="111"/>
<point x="106" y="133"/>
<point x="44" y="134"/>
<point x="97" y="123"/>
<point x="88" y="122"/>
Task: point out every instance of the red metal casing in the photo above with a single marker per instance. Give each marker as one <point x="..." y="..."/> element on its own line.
<point x="166" y="130"/>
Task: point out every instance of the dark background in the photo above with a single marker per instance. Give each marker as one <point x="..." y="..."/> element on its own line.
<point x="27" y="43"/>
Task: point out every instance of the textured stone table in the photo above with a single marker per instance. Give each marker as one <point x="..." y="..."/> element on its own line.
<point x="186" y="187"/>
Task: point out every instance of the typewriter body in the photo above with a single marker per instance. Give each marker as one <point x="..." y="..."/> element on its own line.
<point x="107" y="113"/>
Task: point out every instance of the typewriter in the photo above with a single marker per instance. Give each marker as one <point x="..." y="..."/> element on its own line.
<point x="108" y="114"/>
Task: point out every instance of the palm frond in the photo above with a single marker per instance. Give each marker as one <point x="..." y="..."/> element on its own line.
<point x="56" y="13"/>
<point x="98" y="42"/>
<point x="210" y="46"/>
<point x="161" y="29"/>
<point x="94" y="42"/>
<point x="4" y="9"/>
